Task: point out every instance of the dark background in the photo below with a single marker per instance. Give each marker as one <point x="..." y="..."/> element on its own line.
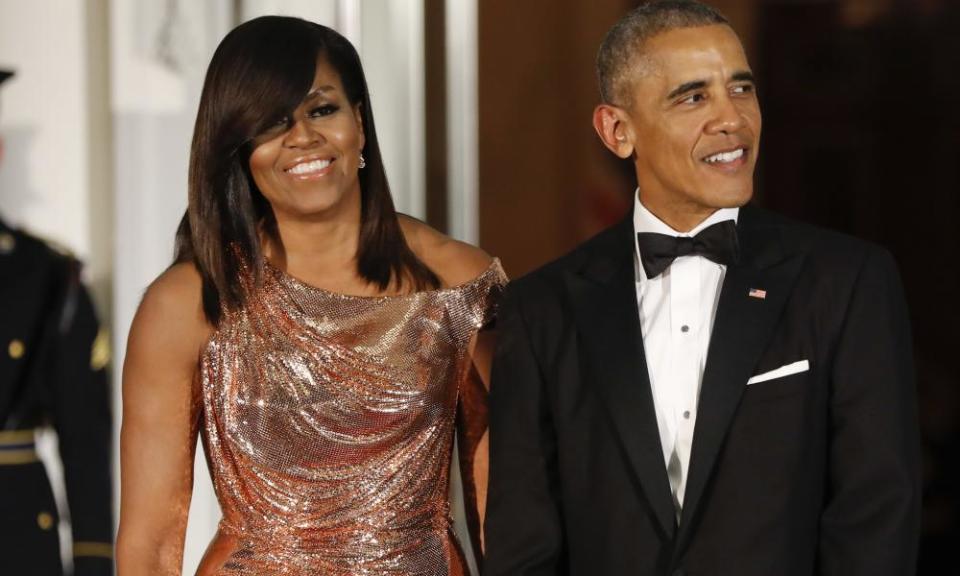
<point x="861" y="110"/>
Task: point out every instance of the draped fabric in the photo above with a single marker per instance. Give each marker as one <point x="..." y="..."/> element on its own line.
<point x="329" y="424"/>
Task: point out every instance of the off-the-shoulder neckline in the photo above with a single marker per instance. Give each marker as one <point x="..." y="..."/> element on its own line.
<point x="493" y="268"/>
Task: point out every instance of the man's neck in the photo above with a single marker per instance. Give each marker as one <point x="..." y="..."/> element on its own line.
<point x="645" y="220"/>
<point x="681" y="219"/>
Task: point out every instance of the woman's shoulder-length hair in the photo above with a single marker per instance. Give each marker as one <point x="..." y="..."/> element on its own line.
<point x="259" y="75"/>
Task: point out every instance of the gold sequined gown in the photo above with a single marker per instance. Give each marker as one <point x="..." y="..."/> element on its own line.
<point x="328" y="423"/>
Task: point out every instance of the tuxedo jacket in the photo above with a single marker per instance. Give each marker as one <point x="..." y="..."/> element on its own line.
<point x="815" y="472"/>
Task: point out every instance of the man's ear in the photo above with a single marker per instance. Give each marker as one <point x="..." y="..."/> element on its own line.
<point x="611" y="124"/>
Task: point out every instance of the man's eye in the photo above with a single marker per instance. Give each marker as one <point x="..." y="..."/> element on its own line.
<point x="743" y="89"/>
<point x="693" y="99"/>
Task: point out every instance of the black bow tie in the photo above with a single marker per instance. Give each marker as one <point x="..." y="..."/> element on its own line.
<point x="717" y="243"/>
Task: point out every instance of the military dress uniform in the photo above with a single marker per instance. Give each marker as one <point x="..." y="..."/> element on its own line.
<point x="52" y="372"/>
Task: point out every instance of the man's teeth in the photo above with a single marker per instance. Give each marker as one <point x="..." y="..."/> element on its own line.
<point x="725" y="156"/>
<point x="308" y="167"/>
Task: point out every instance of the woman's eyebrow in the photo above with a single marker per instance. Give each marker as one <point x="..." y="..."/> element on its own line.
<point x="320" y="90"/>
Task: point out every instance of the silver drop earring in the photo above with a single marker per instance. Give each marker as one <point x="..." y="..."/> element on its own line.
<point x="363" y="163"/>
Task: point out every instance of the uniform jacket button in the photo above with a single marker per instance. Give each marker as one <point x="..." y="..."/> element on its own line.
<point x="15" y="349"/>
<point x="45" y="520"/>
<point x="7" y="243"/>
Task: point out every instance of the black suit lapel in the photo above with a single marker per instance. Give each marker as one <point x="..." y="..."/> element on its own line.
<point x="604" y="300"/>
<point x="742" y="328"/>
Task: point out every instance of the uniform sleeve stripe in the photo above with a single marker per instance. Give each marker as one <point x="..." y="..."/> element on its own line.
<point x="97" y="549"/>
<point x="9" y="437"/>
<point x="12" y="457"/>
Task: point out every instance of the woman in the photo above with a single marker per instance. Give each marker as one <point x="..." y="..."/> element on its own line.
<point x="319" y="343"/>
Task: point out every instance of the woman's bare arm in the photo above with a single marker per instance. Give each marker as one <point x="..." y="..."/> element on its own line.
<point x="476" y="398"/>
<point x="161" y="415"/>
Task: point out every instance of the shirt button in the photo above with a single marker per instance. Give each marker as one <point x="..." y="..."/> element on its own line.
<point x="684" y="328"/>
<point x="686" y="414"/>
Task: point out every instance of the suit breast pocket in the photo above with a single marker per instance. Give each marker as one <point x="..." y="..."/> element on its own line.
<point x="783" y="387"/>
<point x="775" y="412"/>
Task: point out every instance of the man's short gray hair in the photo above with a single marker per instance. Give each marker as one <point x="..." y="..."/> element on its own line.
<point x="624" y="42"/>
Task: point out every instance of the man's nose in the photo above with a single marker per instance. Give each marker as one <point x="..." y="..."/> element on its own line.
<point x="727" y="118"/>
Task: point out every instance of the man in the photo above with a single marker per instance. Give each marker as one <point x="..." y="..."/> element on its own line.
<point x="52" y="371"/>
<point x="706" y="387"/>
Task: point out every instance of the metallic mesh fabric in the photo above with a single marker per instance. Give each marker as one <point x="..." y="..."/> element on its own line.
<point x="329" y="423"/>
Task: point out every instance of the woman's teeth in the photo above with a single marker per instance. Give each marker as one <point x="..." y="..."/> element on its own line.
<point x="309" y="167"/>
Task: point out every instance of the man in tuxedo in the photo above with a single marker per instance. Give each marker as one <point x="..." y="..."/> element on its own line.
<point x="705" y="388"/>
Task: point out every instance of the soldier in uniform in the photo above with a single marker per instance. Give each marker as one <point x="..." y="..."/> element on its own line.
<point x="52" y="372"/>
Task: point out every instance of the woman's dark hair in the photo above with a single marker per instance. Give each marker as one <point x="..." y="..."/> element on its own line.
<point x="259" y="74"/>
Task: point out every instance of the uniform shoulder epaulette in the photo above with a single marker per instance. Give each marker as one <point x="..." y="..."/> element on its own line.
<point x="54" y="248"/>
<point x="60" y="248"/>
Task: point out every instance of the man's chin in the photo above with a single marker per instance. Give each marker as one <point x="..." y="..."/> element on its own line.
<point x="733" y="199"/>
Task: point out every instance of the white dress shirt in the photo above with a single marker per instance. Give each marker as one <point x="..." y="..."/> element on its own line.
<point x="677" y="309"/>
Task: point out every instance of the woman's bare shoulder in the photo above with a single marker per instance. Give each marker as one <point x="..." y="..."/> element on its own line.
<point x="455" y="262"/>
<point x="171" y="310"/>
<point x="177" y="290"/>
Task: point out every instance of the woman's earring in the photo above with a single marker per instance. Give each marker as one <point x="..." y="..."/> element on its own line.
<point x="363" y="163"/>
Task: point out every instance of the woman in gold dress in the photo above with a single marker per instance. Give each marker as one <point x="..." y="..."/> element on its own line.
<point x="320" y="345"/>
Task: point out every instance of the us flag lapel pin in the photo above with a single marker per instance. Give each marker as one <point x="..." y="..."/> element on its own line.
<point x="757" y="293"/>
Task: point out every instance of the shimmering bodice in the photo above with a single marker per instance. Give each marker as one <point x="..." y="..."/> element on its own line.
<point x="328" y="426"/>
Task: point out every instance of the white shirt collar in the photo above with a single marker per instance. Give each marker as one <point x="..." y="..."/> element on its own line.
<point x="645" y="221"/>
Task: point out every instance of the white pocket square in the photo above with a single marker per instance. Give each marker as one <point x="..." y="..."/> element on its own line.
<point x="786" y="370"/>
